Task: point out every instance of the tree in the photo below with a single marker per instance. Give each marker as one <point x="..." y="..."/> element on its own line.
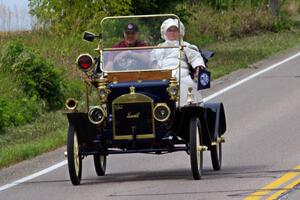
<point x="141" y="7"/>
<point x="62" y="16"/>
<point x="275" y="7"/>
<point x="65" y="15"/>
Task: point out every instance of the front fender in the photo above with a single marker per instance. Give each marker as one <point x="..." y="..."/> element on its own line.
<point x="215" y="117"/>
<point x="86" y="131"/>
<point x="182" y="121"/>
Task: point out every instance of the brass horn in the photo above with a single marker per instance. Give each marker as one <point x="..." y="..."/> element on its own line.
<point x="71" y="104"/>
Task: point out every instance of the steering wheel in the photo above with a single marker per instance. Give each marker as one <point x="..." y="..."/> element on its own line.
<point x="128" y="61"/>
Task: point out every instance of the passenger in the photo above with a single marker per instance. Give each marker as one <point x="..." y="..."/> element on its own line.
<point x="168" y="58"/>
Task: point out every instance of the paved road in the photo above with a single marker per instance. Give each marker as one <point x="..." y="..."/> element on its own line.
<point x="262" y="144"/>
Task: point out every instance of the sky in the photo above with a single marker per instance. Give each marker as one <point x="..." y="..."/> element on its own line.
<point x="14" y="15"/>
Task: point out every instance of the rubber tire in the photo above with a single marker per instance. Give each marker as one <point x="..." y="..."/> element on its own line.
<point x="75" y="176"/>
<point x="216" y="156"/>
<point x="196" y="160"/>
<point x="100" y="167"/>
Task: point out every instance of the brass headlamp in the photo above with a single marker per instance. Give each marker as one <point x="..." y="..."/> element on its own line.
<point x="161" y="112"/>
<point x="97" y="114"/>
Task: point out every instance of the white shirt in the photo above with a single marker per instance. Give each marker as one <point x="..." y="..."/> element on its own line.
<point x="169" y="58"/>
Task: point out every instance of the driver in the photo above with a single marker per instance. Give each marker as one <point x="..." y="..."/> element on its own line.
<point x="125" y="59"/>
<point x="131" y="34"/>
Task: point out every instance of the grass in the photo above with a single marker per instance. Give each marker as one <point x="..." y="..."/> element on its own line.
<point x="48" y="132"/>
<point x="240" y="53"/>
<point x="23" y="142"/>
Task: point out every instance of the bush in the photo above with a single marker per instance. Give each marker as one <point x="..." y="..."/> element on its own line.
<point x="35" y="75"/>
<point x="229" y="4"/>
<point x="14" y="112"/>
<point x="1" y="118"/>
<point x="9" y="54"/>
<point x="223" y="19"/>
<point x="74" y="88"/>
<point x="284" y="23"/>
<point x="228" y="23"/>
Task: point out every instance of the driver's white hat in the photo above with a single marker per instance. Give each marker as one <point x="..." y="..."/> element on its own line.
<point x="167" y="24"/>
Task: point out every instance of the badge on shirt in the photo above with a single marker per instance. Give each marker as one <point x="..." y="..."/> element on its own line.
<point x="203" y="79"/>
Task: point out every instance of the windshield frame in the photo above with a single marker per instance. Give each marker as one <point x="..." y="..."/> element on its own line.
<point x="102" y="49"/>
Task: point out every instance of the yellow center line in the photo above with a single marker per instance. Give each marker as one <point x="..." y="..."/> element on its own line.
<point x="274" y="185"/>
<point x="284" y="190"/>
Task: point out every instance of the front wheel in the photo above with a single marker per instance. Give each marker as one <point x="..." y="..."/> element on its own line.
<point x="196" y="153"/>
<point x="74" y="156"/>
<point x="100" y="164"/>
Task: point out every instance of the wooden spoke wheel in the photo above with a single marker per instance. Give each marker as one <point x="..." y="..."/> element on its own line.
<point x="216" y="156"/>
<point x="74" y="156"/>
<point x="196" y="152"/>
<point x="100" y="164"/>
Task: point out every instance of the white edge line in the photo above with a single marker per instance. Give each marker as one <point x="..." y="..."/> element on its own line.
<point x="32" y="176"/>
<point x="62" y="163"/>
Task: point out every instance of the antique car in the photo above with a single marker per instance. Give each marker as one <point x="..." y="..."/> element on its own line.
<point x="132" y="105"/>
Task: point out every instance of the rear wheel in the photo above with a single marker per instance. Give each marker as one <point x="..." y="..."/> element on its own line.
<point x="196" y="153"/>
<point x="216" y="156"/>
<point x="100" y="164"/>
<point x="74" y="156"/>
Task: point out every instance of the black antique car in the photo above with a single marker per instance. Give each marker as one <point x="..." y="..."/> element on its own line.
<point x="133" y="106"/>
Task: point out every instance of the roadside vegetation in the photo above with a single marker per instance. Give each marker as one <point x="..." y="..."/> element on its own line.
<point x="37" y="70"/>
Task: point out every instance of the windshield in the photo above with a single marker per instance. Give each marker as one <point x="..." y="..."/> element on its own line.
<point x="137" y="43"/>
